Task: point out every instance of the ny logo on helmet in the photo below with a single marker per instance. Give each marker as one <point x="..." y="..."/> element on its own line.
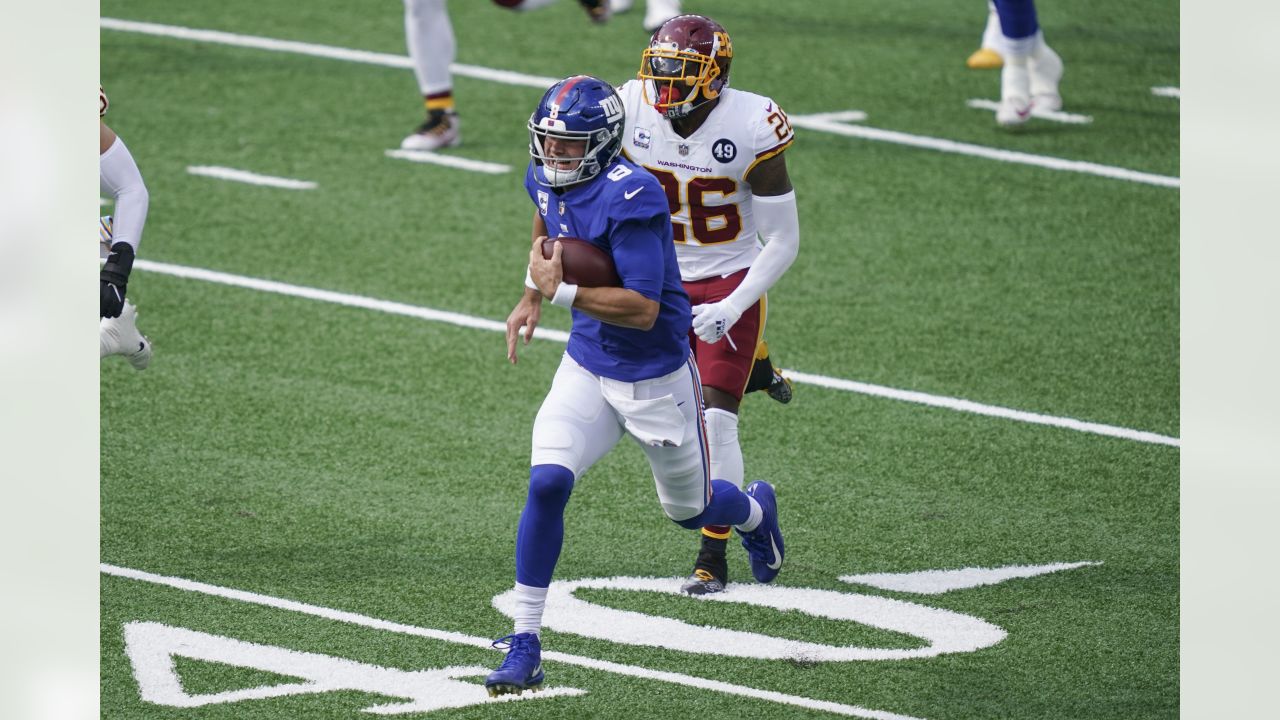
<point x="612" y="107"/>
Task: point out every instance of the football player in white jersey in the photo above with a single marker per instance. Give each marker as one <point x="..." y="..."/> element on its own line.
<point x="119" y="236"/>
<point x="718" y="153"/>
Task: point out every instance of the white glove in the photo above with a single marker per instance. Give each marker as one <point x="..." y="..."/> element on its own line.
<point x="712" y="321"/>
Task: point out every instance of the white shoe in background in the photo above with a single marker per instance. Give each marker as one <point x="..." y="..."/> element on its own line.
<point x="658" y="12"/>
<point x="441" y="129"/>
<point x="1015" y="92"/>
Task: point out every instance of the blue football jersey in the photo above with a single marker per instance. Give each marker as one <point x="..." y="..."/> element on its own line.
<point x="624" y="212"/>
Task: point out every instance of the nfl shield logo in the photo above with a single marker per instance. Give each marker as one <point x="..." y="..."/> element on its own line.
<point x="561" y="207"/>
<point x="684" y="149"/>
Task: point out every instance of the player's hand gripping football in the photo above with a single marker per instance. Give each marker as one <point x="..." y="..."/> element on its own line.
<point x="712" y="321"/>
<point x="547" y="273"/>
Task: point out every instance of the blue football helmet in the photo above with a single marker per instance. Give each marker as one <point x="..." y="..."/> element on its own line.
<point x="579" y="109"/>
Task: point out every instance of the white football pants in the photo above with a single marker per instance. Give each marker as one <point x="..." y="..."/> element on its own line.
<point x="584" y="416"/>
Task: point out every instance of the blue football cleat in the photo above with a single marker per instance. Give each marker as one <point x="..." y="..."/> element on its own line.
<point x="522" y="668"/>
<point x="764" y="544"/>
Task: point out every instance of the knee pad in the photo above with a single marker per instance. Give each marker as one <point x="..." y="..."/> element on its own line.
<point x="550" y="485"/>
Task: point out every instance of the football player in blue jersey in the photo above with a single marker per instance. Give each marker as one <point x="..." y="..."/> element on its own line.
<point x="627" y="368"/>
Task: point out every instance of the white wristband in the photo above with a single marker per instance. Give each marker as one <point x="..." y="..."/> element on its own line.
<point x="564" y="295"/>
<point x="528" y="279"/>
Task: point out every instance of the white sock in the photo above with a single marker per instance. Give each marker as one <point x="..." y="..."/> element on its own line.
<point x="753" y="520"/>
<point x="992" y="37"/>
<point x="530" y="602"/>
<point x="432" y="47"/>
<point x="1023" y="47"/>
<point x="726" y="451"/>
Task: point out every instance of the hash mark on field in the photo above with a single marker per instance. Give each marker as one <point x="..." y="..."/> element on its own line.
<point x="244" y="176"/>
<point x="1169" y="92"/>
<point x="560" y="336"/>
<point x="839" y="116"/>
<point x="426" y="156"/>
<point x="485" y="643"/>
<point x="820" y="122"/>
<point x="1054" y="115"/>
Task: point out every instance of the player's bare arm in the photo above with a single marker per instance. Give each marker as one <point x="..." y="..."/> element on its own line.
<point x="769" y="178"/>
<point x="106" y="137"/>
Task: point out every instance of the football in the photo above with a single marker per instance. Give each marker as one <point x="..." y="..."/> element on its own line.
<point x="583" y="263"/>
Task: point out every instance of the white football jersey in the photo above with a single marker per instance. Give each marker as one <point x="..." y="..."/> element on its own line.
<point x="704" y="174"/>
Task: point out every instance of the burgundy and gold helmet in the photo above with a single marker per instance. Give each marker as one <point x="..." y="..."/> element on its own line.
<point x="686" y="63"/>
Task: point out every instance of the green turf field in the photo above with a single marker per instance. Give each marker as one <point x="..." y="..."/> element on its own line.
<point x="370" y="466"/>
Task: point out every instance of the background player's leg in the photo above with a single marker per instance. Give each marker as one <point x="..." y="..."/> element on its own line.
<point x="724" y="370"/>
<point x="1032" y="70"/>
<point x="432" y="47"/>
<point x="988" y="55"/>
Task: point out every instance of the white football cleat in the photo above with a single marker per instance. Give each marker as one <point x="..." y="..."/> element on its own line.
<point x="620" y="6"/>
<point x="1015" y="93"/>
<point x="120" y="336"/>
<point x="1045" y="68"/>
<point x="441" y="129"/>
<point x="657" y="12"/>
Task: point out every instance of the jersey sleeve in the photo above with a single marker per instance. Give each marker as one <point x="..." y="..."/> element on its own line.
<point x="639" y="223"/>
<point x="638" y="257"/>
<point x="102" y="102"/>
<point x="773" y="132"/>
<point x="636" y="196"/>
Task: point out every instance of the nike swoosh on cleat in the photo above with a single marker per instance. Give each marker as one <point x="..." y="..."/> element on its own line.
<point x="776" y="554"/>
<point x="629" y="195"/>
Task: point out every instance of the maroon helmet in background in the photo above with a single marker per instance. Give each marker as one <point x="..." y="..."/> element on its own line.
<point x="687" y="63"/>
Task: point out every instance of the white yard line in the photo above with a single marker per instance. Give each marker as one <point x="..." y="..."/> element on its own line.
<point x="468" y="321"/>
<point x="1169" y="92"/>
<point x="485" y="643"/>
<point x="1052" y="115"/>
<point x="367" y="303"/>
<point x="820" y="122"/>
<point x="218" y="37"/>
<point x="426" y="156"/>
<point x="969" y="406"/>
<point x="244" y="176"/>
